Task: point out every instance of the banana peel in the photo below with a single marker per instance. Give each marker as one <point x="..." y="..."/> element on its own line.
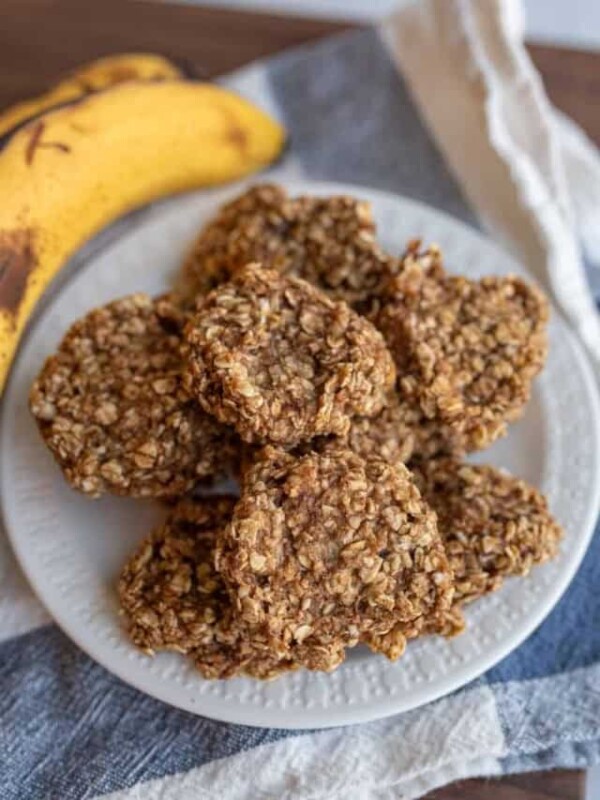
<point x="93" y="77"/>
<point x="70" y="172"/>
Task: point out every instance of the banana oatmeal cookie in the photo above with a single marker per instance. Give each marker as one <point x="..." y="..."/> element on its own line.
<point x="466" y="351"/>
<point x="172" y="597"/>
<point x="401" y="432"/>
<point x="390" y="435"/>
<point x="328" y="241"/>
<point x="493" y="525"/>
<point x="111" y="407"/>
<point x="329" y="549"/>
<point x="282" y="362"/>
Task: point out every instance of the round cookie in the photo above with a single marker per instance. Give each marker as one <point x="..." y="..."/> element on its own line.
<point x="281" y="362"/>
<point x="493" y="525"/>
<point x="328" y="549"/>
<point x="466" y="351"/>
<point x="390" y="435"/>
<point x="111" y="407"/>
<point x="172" y="598"/>
<point x="328" y="241"/>
<point x="400" y="432"/>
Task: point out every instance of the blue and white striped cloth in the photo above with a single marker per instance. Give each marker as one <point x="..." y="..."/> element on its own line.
<point x="355" y="108"/>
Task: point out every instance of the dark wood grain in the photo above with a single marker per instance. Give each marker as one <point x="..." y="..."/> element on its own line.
<point x="557" y="785"/>
<point x="572" y="80"/>
<point x="41" y="40"/>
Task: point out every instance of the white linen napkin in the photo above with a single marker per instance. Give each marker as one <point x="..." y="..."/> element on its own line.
<point x="531" y="173"/>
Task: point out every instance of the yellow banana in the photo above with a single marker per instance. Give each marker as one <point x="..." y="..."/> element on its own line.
<point x="69" y="172"/>
<point x="92" y="77"/>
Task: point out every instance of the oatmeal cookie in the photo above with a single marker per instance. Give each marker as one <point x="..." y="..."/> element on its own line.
<point x="111" y="407"/>
<point x="400" y="432"/>
<point x="390" y="435"/>
<point x="329" y="549"/>
<point x="466" y="351"/>
<point x="281" y="362"/>
<point x="328" y="241"/>
<point x="172" y="598"/>
<point x="493" y="525"/>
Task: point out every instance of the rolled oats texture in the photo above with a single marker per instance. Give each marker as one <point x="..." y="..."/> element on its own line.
<point x="172" y="598"/>
<point x="328" y="241"/>
<point x="328" y="549"/>
<point x="401" y="432"/>
<point x="493" y="525"/>
<point x="390" y="435"/>
<point x="466" y="351"/>
<point x="111" y="407"/>
<point x="281" y="362"/>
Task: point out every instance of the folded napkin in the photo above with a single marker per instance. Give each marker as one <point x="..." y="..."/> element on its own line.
<point x="441" y="104"/>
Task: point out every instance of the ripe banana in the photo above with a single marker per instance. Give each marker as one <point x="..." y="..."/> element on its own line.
<point x="69" y="172"/>
<point x="92" y="77"/>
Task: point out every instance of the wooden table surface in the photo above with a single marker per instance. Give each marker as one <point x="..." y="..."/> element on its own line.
<point x="42" y="39"/>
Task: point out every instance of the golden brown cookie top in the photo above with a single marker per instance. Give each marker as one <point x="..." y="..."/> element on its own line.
<point x="328" y="241"/>
<point x="174" y="599"/>
<point x="391" y="434"/>
<point x="466" y="351"/>
<point x="492" y="524"/>
<point x="282" y="362"/>
<point x="328" y="549"/>
<point x="111" y="406"/>
<point x="400" y="432"/>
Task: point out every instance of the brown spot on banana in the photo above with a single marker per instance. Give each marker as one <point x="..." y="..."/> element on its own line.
<point x="117" y="74"/>
<point x="238" y="137"/>
<point x="86" y="88"/>
<point x="17" y="260"/>
<point x="35" y="143"/>
<point x="36" y="133"/>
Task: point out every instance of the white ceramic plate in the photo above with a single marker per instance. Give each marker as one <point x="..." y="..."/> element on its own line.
<point x="71" y="548"/>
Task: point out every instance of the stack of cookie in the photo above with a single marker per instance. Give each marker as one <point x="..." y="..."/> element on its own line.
<point x="342" y="388"/>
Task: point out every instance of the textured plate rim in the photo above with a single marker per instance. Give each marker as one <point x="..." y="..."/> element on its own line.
<point x="375" y="709"/>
